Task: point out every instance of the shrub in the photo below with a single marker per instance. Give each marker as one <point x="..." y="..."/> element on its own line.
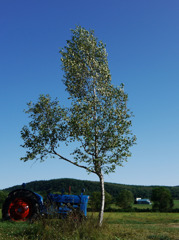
<point x="125" y="199"/>
<point x="162" y="199"/>
<point x="95" y="201"/>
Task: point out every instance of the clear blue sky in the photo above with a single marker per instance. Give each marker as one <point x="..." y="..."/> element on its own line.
<point x="142" y="41"/>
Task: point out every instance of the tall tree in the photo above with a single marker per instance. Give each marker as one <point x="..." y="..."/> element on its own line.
<point x="98" y="118"/>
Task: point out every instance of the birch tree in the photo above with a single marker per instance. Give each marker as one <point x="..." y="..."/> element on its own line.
<point x="98" y="120"/>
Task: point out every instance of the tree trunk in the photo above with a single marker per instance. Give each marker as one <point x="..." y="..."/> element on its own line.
<point x="101" y="213"/>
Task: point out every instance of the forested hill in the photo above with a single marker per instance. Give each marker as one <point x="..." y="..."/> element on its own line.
<point x="58" y="185"/>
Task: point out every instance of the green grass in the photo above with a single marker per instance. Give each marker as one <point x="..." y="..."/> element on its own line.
<point x="142" y="218"/>
<point x="117" y="226"/>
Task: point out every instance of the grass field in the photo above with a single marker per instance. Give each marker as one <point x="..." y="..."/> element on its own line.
<point x="117" y="226"/>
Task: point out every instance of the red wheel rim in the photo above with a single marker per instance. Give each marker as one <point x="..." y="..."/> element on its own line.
<point x="18" y="210"/>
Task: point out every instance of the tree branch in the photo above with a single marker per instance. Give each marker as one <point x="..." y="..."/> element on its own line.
<point x="83" y="145"/>
<point x="74" y="163"/>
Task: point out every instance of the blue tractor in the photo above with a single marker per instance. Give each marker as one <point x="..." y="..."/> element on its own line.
<point x="25" y="205"/>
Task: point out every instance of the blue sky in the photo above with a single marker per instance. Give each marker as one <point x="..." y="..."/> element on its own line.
<point x="142" y="41"/>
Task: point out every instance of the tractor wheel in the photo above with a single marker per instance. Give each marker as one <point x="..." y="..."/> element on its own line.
<point x="20" y="205"/>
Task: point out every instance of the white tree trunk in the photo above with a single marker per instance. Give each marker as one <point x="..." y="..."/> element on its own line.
<point x="102" y="200"/>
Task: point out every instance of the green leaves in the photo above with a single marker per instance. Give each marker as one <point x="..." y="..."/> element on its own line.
<point x="84" y="60"/>
<point x="47" y="128"/>
<point x="101" y="124"/>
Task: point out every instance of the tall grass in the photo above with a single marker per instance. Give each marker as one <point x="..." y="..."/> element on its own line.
<point x="117" y="226"/>
<point x="53" y="229"/>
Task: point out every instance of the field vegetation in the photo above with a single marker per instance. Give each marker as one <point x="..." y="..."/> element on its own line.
<point x="117" y="226"/>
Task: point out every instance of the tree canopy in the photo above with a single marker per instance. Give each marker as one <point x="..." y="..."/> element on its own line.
<point x="125" y="199"/>
<point x="100" y="119"/>
<point x="162" y="199"/>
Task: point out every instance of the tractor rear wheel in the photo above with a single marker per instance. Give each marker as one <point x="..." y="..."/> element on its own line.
<point x="20" y="205"/>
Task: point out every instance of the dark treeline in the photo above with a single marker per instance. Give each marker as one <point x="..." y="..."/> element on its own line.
<point x="59" y="185"/>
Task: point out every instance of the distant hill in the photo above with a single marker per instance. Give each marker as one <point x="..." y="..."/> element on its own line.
<point x="57" y="185"/>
